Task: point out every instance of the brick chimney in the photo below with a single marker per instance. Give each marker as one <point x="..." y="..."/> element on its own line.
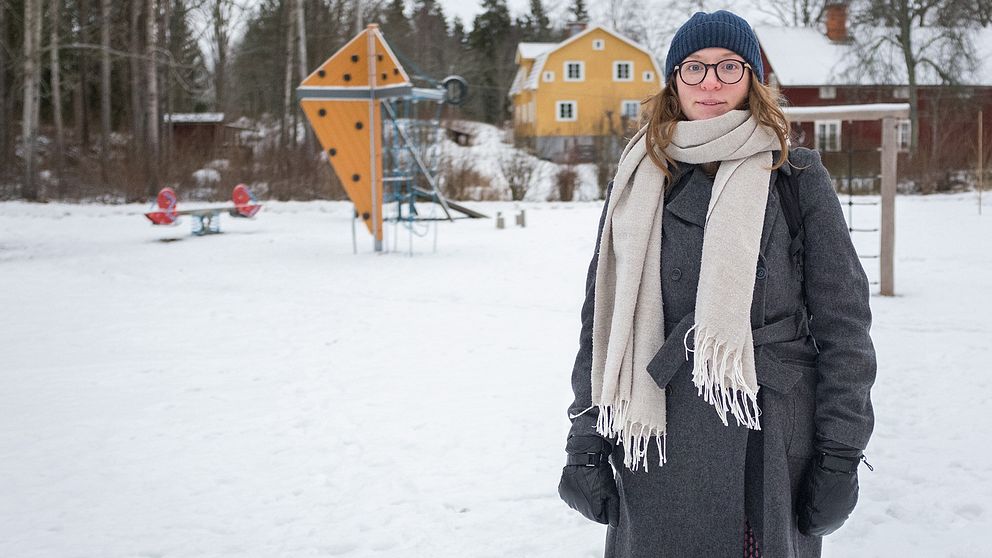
<point x="836" y="15"/>
<point x="576" y="27"/>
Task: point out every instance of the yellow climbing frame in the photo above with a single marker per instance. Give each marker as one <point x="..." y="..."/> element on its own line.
<point x="341" y="100"/>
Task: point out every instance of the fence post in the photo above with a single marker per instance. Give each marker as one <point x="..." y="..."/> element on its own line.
<point x="888" y="224"/>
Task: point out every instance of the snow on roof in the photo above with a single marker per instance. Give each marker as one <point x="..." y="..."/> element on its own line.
<point x="804" y="56"/>
<point x="529" y="51"/>
<point x="194" y="117"/>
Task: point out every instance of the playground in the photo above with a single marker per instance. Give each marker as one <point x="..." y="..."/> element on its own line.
<point x="266" y="392"/>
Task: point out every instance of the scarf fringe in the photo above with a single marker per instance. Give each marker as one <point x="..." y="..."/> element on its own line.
<point x="718" y="374"/>
<point x="635" y="437"/>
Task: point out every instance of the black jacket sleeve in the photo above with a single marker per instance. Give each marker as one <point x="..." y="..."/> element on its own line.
<point x="585" y="424"/>
<point x="838" y="300"/>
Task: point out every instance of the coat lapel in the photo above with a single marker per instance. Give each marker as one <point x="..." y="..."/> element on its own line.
<point x="690" y="203"/>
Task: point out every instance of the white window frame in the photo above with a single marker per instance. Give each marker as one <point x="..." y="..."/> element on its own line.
<point x="582" y="70"/>
<point x="904" y="133"/>
<point x="548" y="76"/>
<point x="901" y="92"/>
<point x="647" y="75"/>
<point x="828" y="92"/>
<point x="820" y="139"/>
<point x="598" y="44"/>
<point x="616" y="70"/>
<point x="623" y="106"/>
<point x="575" y="111"/>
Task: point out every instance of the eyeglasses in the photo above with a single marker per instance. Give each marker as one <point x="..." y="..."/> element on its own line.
<point x="728" y="71"/>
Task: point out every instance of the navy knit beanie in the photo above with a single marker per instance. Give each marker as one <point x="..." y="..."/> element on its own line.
<point x="718" y="29"/>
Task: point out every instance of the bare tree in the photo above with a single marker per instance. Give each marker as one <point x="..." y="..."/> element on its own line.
<point x="4" y="129"/>
<point x="105" y="24"/>
<point x="796" y="13"/>
<point x="221" y="23"/>
<point x="32" y="80"/>
<point x="151" y="85"/>
<point x="137" y="109"/>
<point x="903" y="38"/>
<point x="288" y="127"/>
<point x="56" y="77"/>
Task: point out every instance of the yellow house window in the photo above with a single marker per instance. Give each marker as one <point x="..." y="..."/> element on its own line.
<point x="566" y="111"/>
<point x="623" y="70"/>
<point x="630" y="109"/>
<point x="598" y="44"/>
<point x="648" y="76"/>
<point x="574" y="70"/>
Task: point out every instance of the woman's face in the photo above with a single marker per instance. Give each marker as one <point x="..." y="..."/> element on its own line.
<point x="711" y="97"/>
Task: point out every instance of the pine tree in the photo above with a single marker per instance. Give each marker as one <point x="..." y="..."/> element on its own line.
<point x="491" y="42"/>
<point x="578" y="11"/>
<point x="536" y="25"/>
<point x="396" y="27"/>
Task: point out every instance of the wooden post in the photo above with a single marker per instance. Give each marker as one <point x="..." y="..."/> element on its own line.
<point x="981" y="162"/>
<point x="888" y="223"/>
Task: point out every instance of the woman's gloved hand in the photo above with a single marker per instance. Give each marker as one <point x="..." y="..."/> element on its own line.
<point x="829" y="491"/>
<point x="587" y="484"/>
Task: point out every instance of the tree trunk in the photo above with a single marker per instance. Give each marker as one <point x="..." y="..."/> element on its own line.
<point x="56" y="71"/>
<point x="151" y="78"/>
<point x="4" y="128"/>
<point x="137" y="111"/>
<point x="32" y="78"/>
<point x="84" y="71"/>
<point x="301" y="54"/>
<point x="105" y="125"/>
<point x="220" y="63"/>
<point x="287" y="107"/>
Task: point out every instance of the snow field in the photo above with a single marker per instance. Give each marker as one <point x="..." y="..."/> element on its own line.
<point x="265" y="392"/>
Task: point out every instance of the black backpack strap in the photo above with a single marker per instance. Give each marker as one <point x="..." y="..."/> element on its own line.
<point x="788" y="195"/>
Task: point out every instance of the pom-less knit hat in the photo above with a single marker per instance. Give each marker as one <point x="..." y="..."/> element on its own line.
<point x="718" y="29"/>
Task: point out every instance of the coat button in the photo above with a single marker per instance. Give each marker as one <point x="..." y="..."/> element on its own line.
<point x="668" y="389"/>
<point x="761" y="273"/>
<point x="676" y="274"/>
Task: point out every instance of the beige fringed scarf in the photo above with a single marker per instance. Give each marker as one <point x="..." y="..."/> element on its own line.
<point x="628" y="323"/>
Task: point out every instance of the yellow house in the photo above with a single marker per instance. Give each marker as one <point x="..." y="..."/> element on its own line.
<point x="568" y="94"/>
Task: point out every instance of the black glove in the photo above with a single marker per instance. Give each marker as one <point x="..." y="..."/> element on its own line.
<point x="587" y="484"/>
<point x="829" y="491"/>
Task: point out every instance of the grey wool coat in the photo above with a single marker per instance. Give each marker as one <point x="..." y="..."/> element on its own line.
<point x="815" y="370"/>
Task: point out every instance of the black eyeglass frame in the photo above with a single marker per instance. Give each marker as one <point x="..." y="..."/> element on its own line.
<point x="706" y="71"/>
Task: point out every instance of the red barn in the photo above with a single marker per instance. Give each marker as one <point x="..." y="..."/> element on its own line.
<point x="814" y="68"/>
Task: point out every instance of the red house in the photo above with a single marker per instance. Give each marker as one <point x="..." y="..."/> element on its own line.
<point x="814" y="68"/>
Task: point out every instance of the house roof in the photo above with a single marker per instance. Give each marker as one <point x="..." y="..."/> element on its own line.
<point x="529" y="51"/>
<point x="532" y="79"/>
<point x="806" y="57"/>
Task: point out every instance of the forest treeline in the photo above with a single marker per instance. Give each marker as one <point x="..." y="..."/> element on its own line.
<point x="86" y="86"/>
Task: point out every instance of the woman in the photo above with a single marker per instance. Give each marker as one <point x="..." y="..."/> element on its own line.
<point x="735" y="420"/>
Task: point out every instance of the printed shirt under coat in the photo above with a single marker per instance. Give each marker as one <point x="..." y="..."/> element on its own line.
<point x="716" y="475"/>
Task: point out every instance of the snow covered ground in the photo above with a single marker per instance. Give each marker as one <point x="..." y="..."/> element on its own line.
<point x="266" y="393"/>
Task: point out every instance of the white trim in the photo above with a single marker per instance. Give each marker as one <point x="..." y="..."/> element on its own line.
<point x="623" y="106"/>
<point x="575" y="111"/>
<point x="820" y="142"/>
<point x="548" y="76"/>
<point x="828" y="92"/>
<point x="647" y="75"/>
<point x="630" y="70"/>
<point x="582" y="70"/>
<point x="598" y="44"/>
<point x="900" y="92"/>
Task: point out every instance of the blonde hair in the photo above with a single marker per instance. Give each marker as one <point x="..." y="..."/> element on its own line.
<point x="663" y="112"/>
